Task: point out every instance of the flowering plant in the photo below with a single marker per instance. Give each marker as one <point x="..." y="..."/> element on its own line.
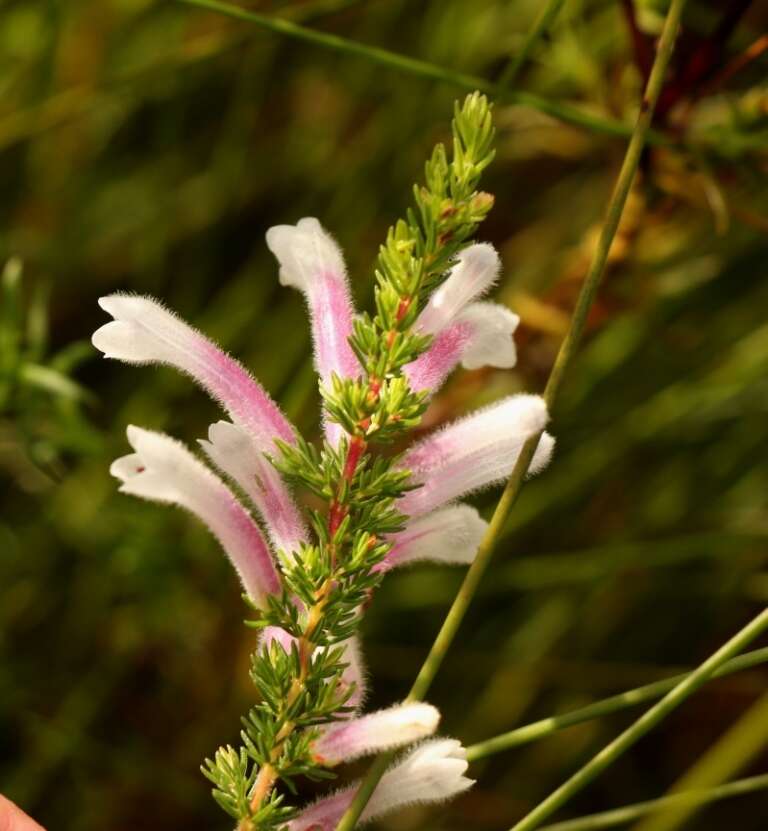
<point x="308" y="573"/>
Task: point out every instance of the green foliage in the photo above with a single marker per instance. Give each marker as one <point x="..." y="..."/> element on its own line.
<point x="35" y="385"/>
<point x="411" y="263"/>
<point x="304" y="687"/>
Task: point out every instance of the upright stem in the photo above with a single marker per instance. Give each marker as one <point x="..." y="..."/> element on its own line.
<point x="536" y="32"/>
<point x="608" y="755"/>
<point x="567" y="349"/>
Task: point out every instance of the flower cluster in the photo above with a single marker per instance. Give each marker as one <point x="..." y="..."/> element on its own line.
<point x="307" y="573"/>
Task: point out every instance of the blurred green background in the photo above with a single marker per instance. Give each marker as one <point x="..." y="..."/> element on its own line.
<point x="147" y="146"/>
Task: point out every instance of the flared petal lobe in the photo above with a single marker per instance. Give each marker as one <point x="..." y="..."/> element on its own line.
<point x="475" y="271"/>
<point x="480" y="335"/>
<point x="394" y="727"/>
<point x="233" y="452"/>
<point x="474" y="452"/>
<point x="311" y="262"/>
<point x="163" y="470"/>
<point x="433" y="772"/>
<point x="450" y="535"/>
<point x="144" y="331"/>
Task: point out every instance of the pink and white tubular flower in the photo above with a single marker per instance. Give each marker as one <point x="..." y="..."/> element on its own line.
<point x="311" y="262"/>
<point x="399" y="725"/>
<point x="144" y="331"/>
<point x="474" y="452"/>
<point x="480" y="335"/>
<point x="232" y="451"/>
<point x="163" y="470"/>
<point x="433" y="772"/>
<point x="470" y="454"/>
<point x="473" y="334"/>
<point x="450" y="535"/>
<point x="476" y="269"/>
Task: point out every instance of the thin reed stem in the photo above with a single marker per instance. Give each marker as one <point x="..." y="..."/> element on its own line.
<point x="673" y="699"/>
<point x="686" y="799"/>
<point x="541" y="26"/>
<point x="567" y="350"/>
<point x="735" y="750"/>
<point x="615" y="704"/>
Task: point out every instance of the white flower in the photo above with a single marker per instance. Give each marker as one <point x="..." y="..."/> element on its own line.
<point x="450" y="535"/>
<point x="433" y="772"/>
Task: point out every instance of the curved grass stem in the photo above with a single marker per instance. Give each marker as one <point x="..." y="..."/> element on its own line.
<point x="567" y="350"/>
<point x="423" y="69"/>
<point x="540" y="27"/>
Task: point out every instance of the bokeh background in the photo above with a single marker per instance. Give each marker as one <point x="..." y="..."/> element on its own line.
<point x="146" y="146"/>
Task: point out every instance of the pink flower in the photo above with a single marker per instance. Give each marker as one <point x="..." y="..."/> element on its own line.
<point x="475" y="271"/>
<point x="474" y="452"/>
<point x="145" y="332"/>
<point x="311" y="262"/>
<point x="480" y="335"/>
<point x="163" y="470"/>
<point x="231" y="450"/>
<point x="396" y="726"/>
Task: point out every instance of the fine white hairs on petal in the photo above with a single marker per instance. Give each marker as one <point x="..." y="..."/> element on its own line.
<point x="433" y="772"/>
<point x="475" y="271"/>
<point x="450" y="535"/>
<point x="311" y="261"/>
<point x="355" y="674"/>
<point x="383" y="730"/>
<point x="144" y="331"/>
<point x="474" y="452"/>
<point x="304" y="251"/>
<point x="163" y="470"/>
<point x="491" y="342"/>
<point x="230" y="448"/>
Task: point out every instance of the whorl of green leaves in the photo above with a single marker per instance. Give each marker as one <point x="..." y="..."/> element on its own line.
<point x="303" y="688"/>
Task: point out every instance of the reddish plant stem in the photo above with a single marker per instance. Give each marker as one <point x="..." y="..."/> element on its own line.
<point x="338" y="510"/>
<point x="641" y="43"/>
<point x="704" y="62"/>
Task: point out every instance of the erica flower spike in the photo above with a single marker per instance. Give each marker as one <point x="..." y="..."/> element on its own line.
<point x="309" y="572"/>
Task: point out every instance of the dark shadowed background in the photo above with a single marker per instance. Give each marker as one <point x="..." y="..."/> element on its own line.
<point x="147" y="146"/>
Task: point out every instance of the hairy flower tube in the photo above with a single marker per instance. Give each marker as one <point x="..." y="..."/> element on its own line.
<point x="308" y="573"/>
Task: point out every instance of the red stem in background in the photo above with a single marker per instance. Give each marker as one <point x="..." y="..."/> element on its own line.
<point x="641" y="42"/>
<point x="704" y="61"/>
